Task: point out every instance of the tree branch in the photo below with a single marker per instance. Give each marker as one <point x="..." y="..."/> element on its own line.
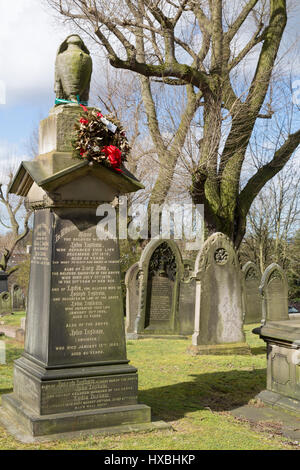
<point x="266" y="172"/>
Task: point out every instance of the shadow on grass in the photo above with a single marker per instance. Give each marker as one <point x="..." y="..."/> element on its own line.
<point x="218" y="391"/>
<point x="4" y="391"/>
<point x="259" y="350"/>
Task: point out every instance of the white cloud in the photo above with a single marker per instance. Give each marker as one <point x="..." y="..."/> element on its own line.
<point x="10" y="159"/>
<point x="29" y="39"/>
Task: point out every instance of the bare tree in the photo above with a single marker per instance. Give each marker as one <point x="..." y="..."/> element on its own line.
<point x="273" y="220"/>
<point x="14" y="218"/>
<point x="201" y="46"/>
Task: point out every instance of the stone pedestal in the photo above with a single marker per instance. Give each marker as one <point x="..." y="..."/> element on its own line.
<point x="283" y="364"/>
<point x="74" y="373"/>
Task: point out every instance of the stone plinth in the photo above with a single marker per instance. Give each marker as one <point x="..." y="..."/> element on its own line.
<point x="74" y="373"/>
<point x="283" y="364"/>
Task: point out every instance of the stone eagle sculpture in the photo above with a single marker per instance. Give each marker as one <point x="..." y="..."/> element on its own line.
<point x="73" y="71"/>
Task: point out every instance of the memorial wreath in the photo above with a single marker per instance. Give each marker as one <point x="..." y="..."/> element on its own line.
<point x="100" y="139"/>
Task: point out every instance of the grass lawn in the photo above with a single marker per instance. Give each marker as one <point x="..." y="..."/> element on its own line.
<point x="13" y="320"/>
<point x="193" y="393"/>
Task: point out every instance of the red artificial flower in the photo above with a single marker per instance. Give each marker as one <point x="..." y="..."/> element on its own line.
<point x="114" y="156"/>
<point x="100" y="115"/>
<point x="82" y="152"/>
<point x="83" y="121"/>
<point x="84" y="108"/>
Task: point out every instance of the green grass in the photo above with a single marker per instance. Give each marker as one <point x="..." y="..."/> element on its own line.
<point x="193" y="393"/>
<point x="13" y="320"/>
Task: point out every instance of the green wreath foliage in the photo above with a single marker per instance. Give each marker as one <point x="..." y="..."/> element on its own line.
<point x="92" y="135"/>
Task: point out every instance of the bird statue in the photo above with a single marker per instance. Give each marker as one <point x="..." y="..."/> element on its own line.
<point x="73" y="70"/>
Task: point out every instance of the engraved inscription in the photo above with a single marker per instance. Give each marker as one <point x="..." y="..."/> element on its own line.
<point x="89" y="393"/>
<point x="86" y="302"/>
<point x="40" y="254"/>
<point x="161" y="299"/>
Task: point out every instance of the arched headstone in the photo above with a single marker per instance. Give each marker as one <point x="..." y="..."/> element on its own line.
<point x="160" y="270"/>
<point x="5" y="302"/>
<point x="252" y="304"/>
<point x="274" y="291"/>
<point x="218" y="305"/>
<point x="17" y="297"/>
<point x="132" y="297"/>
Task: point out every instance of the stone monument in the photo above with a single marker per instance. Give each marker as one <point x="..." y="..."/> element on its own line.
<point x="274" y="291"/>
<point x="283" y="364"/>
<point x="282" y="336"/>
<point x="252" y="302"/>
<point x="218" y="304"/>
<point x="74" y="373"/>
<point x="157" y="277"/>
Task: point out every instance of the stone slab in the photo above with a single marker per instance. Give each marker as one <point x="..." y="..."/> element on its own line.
<point x="280" y="401"/>
<point x="30" y="423"/>
<point x="286" y="330"/>
<point x="220" y="349"/>
<point x="289" y="423"/>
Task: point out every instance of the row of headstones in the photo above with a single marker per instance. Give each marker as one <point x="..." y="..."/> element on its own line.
<point x="13" y="300"/>
<point x="264" y="297"/>
<point x="166" y="295"/>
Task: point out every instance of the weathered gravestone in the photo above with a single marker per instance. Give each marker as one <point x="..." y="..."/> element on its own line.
<point x="2" y="352"/>
<point x="187" y="295"/>
<point x="218" y="305"/>
<point x="252" y="304"/>
<point x="3" y="281"/>
<point x="74" y="372"/>
<point x="17" y="298"/>
<point x="157" y="276"/>
<point x="23" y="323"/>
<point x="5" y="302"/>
<point x="274" y="291"/>
<point x="5" y="297"/>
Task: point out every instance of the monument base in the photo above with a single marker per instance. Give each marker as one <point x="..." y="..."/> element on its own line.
<point x="277" y="400"/>
<point x="220" y="349"/>
<point x="52" y="401"/>
<point x="24" y="424"/>
<point x="283" y="364"/>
